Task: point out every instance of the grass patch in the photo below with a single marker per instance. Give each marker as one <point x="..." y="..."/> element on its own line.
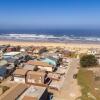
<point x="86" y="81"/>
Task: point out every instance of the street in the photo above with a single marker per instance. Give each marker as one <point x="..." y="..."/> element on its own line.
<point x="70" y="89"/>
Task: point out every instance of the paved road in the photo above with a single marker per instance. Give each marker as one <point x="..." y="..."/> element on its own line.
<point x="70" y="89"/>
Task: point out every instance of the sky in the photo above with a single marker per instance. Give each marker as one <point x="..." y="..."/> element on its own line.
<point x="32" y="14"/>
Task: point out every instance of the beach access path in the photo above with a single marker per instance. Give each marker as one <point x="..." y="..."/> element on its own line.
<point x="70" y="89"/>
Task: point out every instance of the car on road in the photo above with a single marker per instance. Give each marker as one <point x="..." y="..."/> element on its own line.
<point x="75" y="76"/>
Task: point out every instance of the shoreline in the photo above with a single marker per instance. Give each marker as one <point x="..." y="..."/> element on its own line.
<point x="52" y="44"/>
<point x="51" y="40"/>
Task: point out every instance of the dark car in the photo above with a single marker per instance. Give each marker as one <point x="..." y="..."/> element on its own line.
<point x="75" y="76"/>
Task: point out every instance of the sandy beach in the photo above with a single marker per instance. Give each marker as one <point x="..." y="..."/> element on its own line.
<point x="65" y="45"/>
<point x="72" y="46"/>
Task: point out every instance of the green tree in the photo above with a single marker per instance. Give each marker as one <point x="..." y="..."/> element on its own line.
<point x="88" y="61"/>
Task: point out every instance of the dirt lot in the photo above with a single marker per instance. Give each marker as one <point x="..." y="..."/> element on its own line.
<point x="90" y="88"/>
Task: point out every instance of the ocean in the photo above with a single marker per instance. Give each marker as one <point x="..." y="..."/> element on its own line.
<point x="52" y="35"/>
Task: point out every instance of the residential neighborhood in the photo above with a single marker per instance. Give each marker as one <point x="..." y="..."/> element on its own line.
<point x="32" y="72"/>
<point x="40" y="73"/>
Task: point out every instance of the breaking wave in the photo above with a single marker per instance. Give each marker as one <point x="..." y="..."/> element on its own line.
<point x="44" y="37"/>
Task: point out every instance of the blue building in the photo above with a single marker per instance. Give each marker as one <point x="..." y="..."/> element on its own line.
<point x="3" y="70"/>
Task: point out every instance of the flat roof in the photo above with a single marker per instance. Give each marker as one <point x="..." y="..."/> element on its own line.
<point x="21" y="72"/>
<point x="54" y="76"/>
<point x="33" y="91"/>
<point x="49" y="61"/>
<point x="2" y="47"/>
<point x="11" y="53"/>
<point x="39" y="63"/>
<point x="35" y="73"/>
<point x="13" y="92"/>
<point x="3" y="62"/>
<point x="29" y="98"/>
<point x="29" y="67"/>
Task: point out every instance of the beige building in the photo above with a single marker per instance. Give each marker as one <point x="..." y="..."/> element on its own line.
<point x="41" y="65"/>
<point x="24" y="92"/>
<point x="13" y="92"/>
<point x="34" y="93"/>
<point x="36" y="77"/>
<point x="19" y="75"/>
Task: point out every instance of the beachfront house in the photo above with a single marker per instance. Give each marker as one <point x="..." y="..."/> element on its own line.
<point x="49" y="61"/>
<point x="14" y="92"/>
<point x="13" y="62"/>
<point x="93" y="51"/>
<point x="3" y="48"/>
<point x="36" y="50"/>
<point x="34" y="93"/>
<point x="11" y="54"/>
<point x="41" y="65"/>
<point x="30" y="50"/>
<point x="17" y="56"/>
<point x="12" y="58"/>
<point x="23" y="92"/>
<point x="19" y="75"/>
<point x="34" y="77"/>
<point x="54" y="76"/>
<point x="23" y="49"/>
<point x="57" y="81"/>
<point x="29" y="77"/>
<point x="13" y="48"/>
<point x="29" y="67"/>
<point x="39" y="50"/>
<point x="3" y="69"/>
<point x="52" y="61"/>
<point x="22" y="58"/>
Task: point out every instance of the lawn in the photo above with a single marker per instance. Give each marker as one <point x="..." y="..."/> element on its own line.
<point x="89" y="86"/>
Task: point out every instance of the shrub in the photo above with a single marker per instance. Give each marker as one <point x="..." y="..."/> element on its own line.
<point x="88" y="61"/>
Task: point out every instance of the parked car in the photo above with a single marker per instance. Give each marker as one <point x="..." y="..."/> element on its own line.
<point x="75" y="76"/>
